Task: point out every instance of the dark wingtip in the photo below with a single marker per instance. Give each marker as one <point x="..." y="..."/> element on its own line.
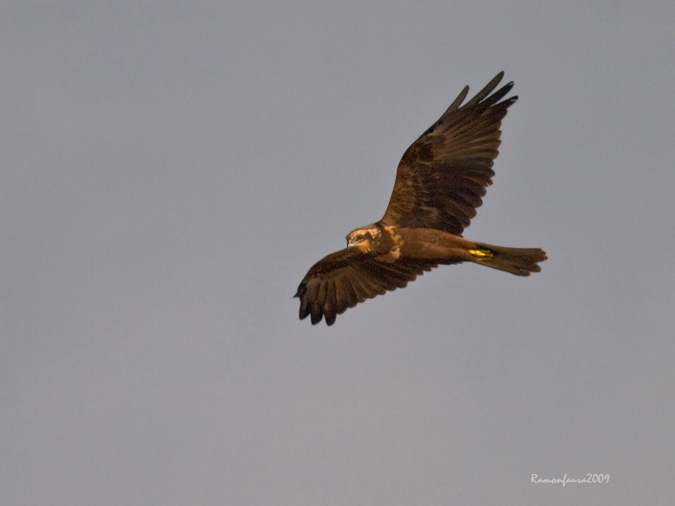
<point x="302" y="288"/>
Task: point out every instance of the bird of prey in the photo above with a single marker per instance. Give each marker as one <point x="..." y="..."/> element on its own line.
<point x="440" y="181"/>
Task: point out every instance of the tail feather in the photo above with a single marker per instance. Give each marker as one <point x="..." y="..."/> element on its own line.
<point x="518" y="261"/>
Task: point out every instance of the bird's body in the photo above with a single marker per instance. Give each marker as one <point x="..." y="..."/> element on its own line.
<point x="440" y="181"/>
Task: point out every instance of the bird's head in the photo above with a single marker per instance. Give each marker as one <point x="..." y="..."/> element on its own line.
<point x="364" y="239"/>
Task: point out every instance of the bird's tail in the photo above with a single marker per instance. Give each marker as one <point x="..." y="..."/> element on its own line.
<point x="518" y="261"/>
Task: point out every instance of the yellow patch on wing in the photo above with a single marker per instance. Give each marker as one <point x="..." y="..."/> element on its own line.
<point x="363" y="246"/>
<point x="394" y="235"/>
<point x="481" y="255"/>
<point x="391" y="256"/>
<point x="394" y="253"/>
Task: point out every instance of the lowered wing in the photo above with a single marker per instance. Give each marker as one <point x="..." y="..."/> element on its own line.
<point x="343" y="279"/>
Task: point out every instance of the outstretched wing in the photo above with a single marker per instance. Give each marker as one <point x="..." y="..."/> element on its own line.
<point x="443" y="174"/>
<point x="343" y="279"/>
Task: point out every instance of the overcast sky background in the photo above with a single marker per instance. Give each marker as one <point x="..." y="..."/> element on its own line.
<point x="170" y="170"/>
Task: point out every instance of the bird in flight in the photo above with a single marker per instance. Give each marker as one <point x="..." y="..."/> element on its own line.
<point x="440" y="181"/>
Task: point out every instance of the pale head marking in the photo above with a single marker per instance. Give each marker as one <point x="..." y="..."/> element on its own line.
<point x="362" y="237"/>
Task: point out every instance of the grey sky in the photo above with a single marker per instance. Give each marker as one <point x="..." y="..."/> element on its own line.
<point x="170" y="170"/>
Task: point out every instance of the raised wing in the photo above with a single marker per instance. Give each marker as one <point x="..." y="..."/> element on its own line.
<point x="443" y="174"/>
<point x="343" y="279"/>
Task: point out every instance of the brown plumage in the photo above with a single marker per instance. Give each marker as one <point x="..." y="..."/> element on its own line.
<point x="440" y="182"/>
